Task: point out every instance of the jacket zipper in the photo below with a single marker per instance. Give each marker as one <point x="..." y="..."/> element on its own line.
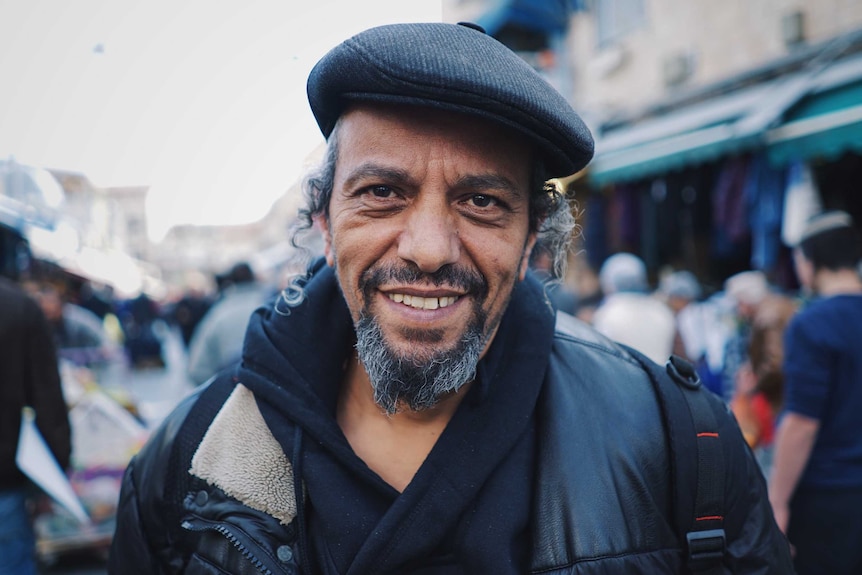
<point x="199" y="524"/>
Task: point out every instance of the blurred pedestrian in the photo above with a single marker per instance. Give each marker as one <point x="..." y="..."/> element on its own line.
<point x="218" y="337"/>
<point x="629" y="313"/>
<point x="29" y="376"/>
<point x="746" y="291"/>
<point x="188" y="311"/>
<point x="139" y="317"/>
<point x="759" y="392"/>
<point x="678" y="290"/>
<point x="816" y="482"/>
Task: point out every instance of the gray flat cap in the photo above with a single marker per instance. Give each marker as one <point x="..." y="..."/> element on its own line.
<point x="450" y="67"/>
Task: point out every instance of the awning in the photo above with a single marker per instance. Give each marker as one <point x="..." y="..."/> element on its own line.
<point x="816" y="111"/>
<point x="689" y="136"/>
<point x="826" y="124"/>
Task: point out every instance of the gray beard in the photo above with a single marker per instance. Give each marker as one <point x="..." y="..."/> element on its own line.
<point x="419" y="382"/>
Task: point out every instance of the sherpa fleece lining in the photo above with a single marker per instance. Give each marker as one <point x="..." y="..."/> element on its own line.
<point x="240" y="456"/>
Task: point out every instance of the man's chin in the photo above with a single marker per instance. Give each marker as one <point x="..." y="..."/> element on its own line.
<point x="421" y="355"/>
<point x="403" y="405"/>
<point x="392" y="398"/>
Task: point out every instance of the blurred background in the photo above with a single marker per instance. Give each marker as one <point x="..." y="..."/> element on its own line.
<point x="147" y="149"/>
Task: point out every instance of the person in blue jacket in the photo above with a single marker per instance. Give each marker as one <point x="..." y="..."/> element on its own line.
<point x="816" y="481"/>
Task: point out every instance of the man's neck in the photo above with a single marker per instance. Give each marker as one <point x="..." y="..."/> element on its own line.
<point x="393" y="445"/>
<point x="838" y="282"/>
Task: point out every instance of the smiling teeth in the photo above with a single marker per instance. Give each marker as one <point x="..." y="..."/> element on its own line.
<point x="419" y="302"/>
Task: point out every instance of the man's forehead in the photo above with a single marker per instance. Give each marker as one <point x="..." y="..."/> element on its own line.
<point x="391" y="133"/>
<point x="421" y="118"/>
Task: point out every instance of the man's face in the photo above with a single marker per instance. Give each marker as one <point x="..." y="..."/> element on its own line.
<point x="428" y="229"/>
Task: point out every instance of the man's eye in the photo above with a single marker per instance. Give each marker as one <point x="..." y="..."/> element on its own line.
<point x="482" y="201"/>
<point x="381" y="191"/>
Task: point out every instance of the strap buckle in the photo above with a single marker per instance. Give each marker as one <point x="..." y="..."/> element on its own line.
<point x="683" y="372"/>
<point x="705" y="548"/>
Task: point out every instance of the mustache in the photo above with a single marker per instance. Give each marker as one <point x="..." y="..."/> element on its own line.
<point x="450" y="275"/>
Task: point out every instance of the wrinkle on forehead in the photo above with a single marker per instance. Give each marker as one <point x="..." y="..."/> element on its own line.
<point x="473" y="147"/>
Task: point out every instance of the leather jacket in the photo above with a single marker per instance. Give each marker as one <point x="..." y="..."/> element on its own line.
<point x="602" y="505"/>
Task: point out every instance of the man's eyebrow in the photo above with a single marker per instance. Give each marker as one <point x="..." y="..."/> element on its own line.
<point x="491" y="182"/>
<point x="376" y="171"/>
<point x="389" y="175"/>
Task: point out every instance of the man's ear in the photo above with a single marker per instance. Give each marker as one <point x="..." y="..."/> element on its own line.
<point x="321" y="222"/>
<point x="525" y="259"/>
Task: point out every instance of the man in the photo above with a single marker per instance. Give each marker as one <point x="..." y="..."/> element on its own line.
<point x="29" y="376"/>
<point x="816" y="482"/>
<point x="628" y="313"/>
<point x="408" y="406"/>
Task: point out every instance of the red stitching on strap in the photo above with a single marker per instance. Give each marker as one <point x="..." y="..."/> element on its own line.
<point x="711" y="518"/>
<point x="707" y="434"/>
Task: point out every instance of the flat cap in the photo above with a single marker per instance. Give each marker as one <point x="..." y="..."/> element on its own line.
<point x="450" y="67"/>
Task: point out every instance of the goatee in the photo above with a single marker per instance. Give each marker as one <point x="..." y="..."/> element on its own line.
<point x="416" y="382"/>
<point x="419" y="380"/>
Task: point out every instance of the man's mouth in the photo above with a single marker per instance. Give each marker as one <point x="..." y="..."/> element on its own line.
<point x="420" y="302"/>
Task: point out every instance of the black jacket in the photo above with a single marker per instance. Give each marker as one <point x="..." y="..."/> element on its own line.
<point x="599" y="498"/>
<point x="28" y="376"/>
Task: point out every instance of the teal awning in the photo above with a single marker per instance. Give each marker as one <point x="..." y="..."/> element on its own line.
<point x="688" y="136"/>
<point x="825" y="124"/>
<point x="814" y="112"/>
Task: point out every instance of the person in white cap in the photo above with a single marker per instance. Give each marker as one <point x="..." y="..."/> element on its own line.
<point x="746" y="291"/>
<point x="629" y="314"/>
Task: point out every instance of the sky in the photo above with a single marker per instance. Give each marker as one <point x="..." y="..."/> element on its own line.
<point x="202" y="100"/>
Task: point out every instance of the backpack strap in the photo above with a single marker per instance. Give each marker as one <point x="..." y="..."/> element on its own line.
<point x="696" y="461"/>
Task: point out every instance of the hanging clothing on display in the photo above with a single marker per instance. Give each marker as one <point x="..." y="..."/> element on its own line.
<point x="625" y="218"/>
<point x="764" y="190"/>
<point x="596" y="229"/>
<point x="730" y="208"/>
<point x="658" y="217"/>
<point x="802" y="200"/>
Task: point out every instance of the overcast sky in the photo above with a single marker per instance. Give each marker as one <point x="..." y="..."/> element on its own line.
<point x="203" y="100"/>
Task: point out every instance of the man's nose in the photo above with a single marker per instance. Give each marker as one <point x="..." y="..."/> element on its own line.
<point x="430" y="237"/>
